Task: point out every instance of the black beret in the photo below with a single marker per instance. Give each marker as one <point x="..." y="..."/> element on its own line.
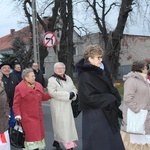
<point x="5" y="63"/>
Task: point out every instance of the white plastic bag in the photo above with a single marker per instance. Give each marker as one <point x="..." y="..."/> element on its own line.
<point x="19" y="128"/>
<point x="136" y="121"/>
<point x="5" y="145"/>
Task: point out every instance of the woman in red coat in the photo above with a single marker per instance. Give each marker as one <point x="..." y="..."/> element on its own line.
<point x="27" y="108"/>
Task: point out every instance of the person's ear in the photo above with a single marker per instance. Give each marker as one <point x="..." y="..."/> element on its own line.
<point x="90" y="59"/>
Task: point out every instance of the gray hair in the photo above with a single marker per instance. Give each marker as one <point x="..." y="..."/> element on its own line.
<point x="25" y="72"/>
<point x="35" y="64"/>
<point x="57" y="64"/>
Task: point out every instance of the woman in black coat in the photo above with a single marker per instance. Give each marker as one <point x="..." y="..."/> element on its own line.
<point x="99" y="101"/>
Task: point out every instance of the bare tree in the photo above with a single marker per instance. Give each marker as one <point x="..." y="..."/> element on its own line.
<point x="46" y="26"/>
<point x="112" y="39"/>
<point x="61" y="9"/>
<point x="66" y="44"/>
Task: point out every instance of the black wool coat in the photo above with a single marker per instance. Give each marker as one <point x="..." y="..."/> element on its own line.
<point x="39" y="77"/>
<point x="99" y="101"/>
<point x="10" y="83"/>
<point x="95" y="87"/>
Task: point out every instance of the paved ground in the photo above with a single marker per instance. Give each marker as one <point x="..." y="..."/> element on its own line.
<point x="49" y="132"/>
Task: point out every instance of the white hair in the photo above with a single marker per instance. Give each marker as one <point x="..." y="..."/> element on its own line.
<point x="59" y="64"/>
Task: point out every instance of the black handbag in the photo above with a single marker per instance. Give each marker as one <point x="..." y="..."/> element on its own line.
<point x="74" y="105"/>
<point x="17" y="135"/>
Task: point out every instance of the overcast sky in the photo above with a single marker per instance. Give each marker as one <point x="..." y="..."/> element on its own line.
<point x="8" y="18"/>
<point x="11" y="16"/>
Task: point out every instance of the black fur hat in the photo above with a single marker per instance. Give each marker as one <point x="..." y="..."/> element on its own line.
<point x="5" y="63"/>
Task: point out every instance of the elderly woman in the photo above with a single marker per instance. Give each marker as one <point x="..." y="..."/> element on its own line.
<point x="4" y="118"/>
<point x="136" y="98"/>
<point x="99" y="101"/>
<point x="62" y="91"/>
<point x="27" y="108"/>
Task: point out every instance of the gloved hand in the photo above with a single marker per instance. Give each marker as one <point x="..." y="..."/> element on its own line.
<point x="71" y="95"/>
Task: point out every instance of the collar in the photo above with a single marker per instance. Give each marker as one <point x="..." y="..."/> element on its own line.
<point x="59" y="77"/>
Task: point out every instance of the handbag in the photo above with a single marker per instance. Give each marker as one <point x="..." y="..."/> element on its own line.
<point x="17" y="135"/>
<point x="136" y="121"/>
<point x="74" y="105"/>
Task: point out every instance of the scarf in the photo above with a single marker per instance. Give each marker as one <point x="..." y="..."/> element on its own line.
<point x="144" y="76"/>
<point x="58" y="78"/>
<point x="32" y="86"/>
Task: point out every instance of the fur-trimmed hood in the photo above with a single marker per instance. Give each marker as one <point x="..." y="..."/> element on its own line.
<point x="133" y="75"/>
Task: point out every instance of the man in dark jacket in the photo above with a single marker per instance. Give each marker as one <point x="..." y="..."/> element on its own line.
<point x="38" y="74"/>
<point x="17" y="71"/>
<point x="10" y="81"/>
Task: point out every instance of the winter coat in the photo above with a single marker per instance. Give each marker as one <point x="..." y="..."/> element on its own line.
<point x="17" y="74"/>
<point x="61" y="111"/>
<point x="4" y="111"/>
<point x="10" y="84"/>
<point x="136" y="97"/>
<point x="99" y="101"/>
<point x="39" y="77"/>
<point x="27" y="104"/>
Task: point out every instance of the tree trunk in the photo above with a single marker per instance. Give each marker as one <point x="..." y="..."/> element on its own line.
<point x="113" y="47"/>
<point x="62" y="54"/>
<point x="65" y="54"/>
<point x="70" y="40"/>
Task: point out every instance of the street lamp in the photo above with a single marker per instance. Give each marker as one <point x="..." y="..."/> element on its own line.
<point x="35" y="33"/>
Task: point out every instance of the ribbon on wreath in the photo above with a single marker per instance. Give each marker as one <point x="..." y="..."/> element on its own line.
<point x="3" y="138"/>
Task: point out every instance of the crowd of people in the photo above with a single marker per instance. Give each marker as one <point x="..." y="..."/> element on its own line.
<point x="23" y="90"/>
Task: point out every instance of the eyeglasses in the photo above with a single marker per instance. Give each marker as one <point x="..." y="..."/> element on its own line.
<point x="60" y="68"/>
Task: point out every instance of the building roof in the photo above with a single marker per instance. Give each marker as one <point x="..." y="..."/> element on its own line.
<point x="6" y="41"/>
